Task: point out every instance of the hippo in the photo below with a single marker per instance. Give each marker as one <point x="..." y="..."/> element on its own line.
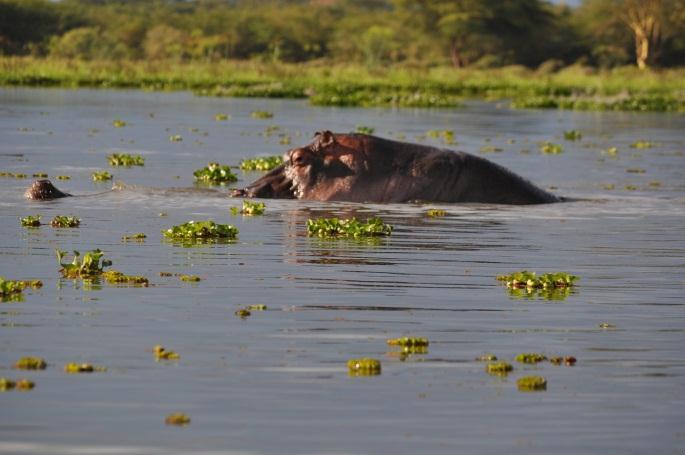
<point x="44" y="190"/>
<point x="365" y="168"/>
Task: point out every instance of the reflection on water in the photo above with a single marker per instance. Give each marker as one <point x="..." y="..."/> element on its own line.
<point x="277" y="382"/>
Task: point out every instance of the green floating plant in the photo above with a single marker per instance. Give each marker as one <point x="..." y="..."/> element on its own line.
<point x="265" y="163"/>
<point x="573" y="135"/>
<point x="91" y="265"/>
<point x="215" y="174"/>
<point x="262" y="114"/>
<point x="530" y="357"/>
<point x="364" y="367"/>
<point x="116" y="277"/>
<point x="125" y="159"/>
<point x="138" y="236"/>
<point x="526" y="279"/>
<point x="642" y="144"/>
<point x="363" y="129"/>
<point x="220" y="117"/>
<point x="447" y="136"/>
<point x="118" y="123"/>
<point x="31" y="363"/>
<point x="408" y="342"/>
<point x="531" y="384"/>
<point x="335" y="227"/>
<point x="499" y="368"/>
<point x="551" y="148"/>
<point x="549" y="286"/>
<point x="63" y="221"/>
<point x="30" y="221"/>
<point x="435" y="213"/>
<point x="201" y="230"/>
<point x="100" y="176"/>
<point x="249" y="208"/>
<point x="11" y="290"/>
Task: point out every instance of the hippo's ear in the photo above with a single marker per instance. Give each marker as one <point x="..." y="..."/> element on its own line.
<point x="324" y="139"/>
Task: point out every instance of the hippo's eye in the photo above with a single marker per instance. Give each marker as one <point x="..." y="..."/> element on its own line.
<point x="298" y="158"/>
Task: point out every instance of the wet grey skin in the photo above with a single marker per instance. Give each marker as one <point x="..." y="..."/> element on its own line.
<point x="365" y="168"/>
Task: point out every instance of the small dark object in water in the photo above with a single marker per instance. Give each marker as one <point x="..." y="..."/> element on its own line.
<point x="43" y="190"/>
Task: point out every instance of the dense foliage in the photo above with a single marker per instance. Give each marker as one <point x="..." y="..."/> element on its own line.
<point x="475" y="33"/>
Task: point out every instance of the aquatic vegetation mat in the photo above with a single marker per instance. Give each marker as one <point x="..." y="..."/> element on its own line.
<point x="531" y="384"/>
<point x="30" y="221"/>
<point x="261" y="163"/>
<point x="201" y="230"/>
<point x="161" y="353"/>
<point x="351" y="227"/>
<point x="125" y="159"/>
<point x="215" y="174"/>
<point x="249" y="208"/>
<point x="63" y="221"/>
<point x="91" y="265"/>
<point x="364" y="367"/>
<point x="549" y="286"/>
<point x="99" y="176"/>
<point x="31" y="363"/>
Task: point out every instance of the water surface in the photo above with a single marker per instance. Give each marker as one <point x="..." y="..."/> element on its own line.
<point x="276" y="382"/>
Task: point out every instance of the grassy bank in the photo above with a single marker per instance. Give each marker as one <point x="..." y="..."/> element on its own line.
<point x="352" y="85"/>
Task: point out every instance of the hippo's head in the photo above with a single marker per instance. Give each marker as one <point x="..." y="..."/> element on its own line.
<point x="43" y="190"/>
<point x="316" y="171"/>
<point x="326" y="166"/>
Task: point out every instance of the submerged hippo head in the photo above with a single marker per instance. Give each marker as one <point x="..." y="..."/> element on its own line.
<point x="314" y="171"/>
<point x="43" y="190"/>
<point x="326" y="167"/>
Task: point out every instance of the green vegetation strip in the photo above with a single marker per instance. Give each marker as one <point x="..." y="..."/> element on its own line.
<point x="335" y="227"/>
<point x="333" y="83"/>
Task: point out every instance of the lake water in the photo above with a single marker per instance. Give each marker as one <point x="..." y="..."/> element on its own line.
<point x="276" y="382"/>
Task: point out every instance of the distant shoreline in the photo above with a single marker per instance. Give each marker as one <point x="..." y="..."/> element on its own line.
<point x="327" y="84"/>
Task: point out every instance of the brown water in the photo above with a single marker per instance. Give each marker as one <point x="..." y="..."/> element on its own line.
<point x="276" y="382"/>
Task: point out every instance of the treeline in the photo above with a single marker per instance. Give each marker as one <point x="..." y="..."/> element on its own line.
<point x="463" y="33"/>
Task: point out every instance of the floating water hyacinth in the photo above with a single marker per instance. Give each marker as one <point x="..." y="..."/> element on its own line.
<point x="31" y="363"/>
<point x="526" y="279"/>
<point x="362" y="129"/>
<point x="30" y="221"/>
<point x="125" y="159"/>
<point x="265" y="163"/>
<point x="531" y="384"/>
<point x="64" y="221"/>
<point x="573" y="135"/>
<point x="198" y="230"/>
<point x="90" y="265"/>
<point x="364" y="367"/>
<point x="99" y="176"/>
<point x="262" y="114"/>
<point x="551" y="148"/>
<point x="335" y="227"/>
<point x="249" y="208"/>
<point x="216" y="174"/>
<point x="116" y="277"/>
